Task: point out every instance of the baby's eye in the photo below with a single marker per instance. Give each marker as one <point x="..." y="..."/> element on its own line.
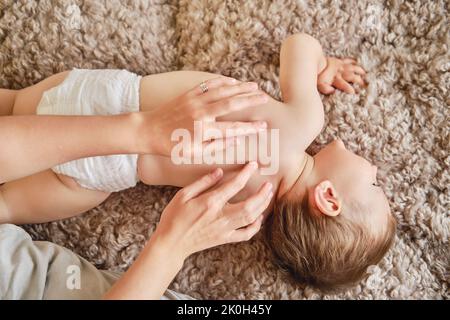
<point x="376" y="184"/>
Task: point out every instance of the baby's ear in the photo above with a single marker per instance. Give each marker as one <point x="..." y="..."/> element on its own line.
<point x="326" y="199"/>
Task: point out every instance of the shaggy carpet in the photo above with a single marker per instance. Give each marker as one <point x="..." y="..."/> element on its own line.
<point x="400" y="122"/>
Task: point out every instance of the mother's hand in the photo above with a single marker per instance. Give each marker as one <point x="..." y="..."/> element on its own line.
<point x="196" y="220"/>
<point x="224" y="95"/>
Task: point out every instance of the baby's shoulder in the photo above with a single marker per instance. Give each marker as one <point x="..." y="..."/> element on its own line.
<point x="297" y="127"/>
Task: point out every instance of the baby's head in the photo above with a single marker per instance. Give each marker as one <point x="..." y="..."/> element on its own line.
<point x="327" y="231"/>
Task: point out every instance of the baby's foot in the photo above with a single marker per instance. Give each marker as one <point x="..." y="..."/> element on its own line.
<point x="340" y="74"/>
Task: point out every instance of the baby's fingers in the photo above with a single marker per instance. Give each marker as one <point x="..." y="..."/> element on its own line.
<point x="343" y="85"/>
<point x="325" y="88"/>
<point x="353" y="78"/>
<point x="357" y="70"/>
<point x="349" y="61"/>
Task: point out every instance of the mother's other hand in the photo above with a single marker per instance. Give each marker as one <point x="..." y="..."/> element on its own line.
<point x="197" y="219"/>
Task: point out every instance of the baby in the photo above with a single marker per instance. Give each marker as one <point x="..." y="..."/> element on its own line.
<point x="330" y="219"/>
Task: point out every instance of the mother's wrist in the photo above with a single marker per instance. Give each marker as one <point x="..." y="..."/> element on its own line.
<point x="168" y="248"/>
<point x="144" y="141"/>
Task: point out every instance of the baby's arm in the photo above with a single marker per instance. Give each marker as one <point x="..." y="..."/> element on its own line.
<point x="304" y="66"/>
<point x="304" y="71"/>
<point x="301" y="61"/>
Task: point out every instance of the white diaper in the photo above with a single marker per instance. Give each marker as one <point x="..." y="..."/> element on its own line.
<point x="96" y="92"/>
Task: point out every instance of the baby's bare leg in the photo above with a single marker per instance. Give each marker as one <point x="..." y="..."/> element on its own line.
<point x="45" y="197"/>
<point x="27" y="99"/>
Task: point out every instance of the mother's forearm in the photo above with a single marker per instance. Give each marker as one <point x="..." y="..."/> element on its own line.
<point x="150" y="275"/>
<point x="30" y="144"/>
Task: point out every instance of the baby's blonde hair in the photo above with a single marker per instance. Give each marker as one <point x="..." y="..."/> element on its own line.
<point x="329" y="253"/>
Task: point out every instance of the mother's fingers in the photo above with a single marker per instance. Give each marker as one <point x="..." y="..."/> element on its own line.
<point x="246" y="212"/>
<point x="236" y="103"/>
<point x="225" y="95"/>
<point x="245" y="234"/>
<point x="222" y="92"/>
<point x="230" y="188"/>
<point x="228" y="129"/>
<point x="212" y="84"/>
<point x="200" y="186"/>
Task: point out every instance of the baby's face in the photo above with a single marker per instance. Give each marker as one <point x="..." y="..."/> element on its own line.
<point x="353" y="177"/>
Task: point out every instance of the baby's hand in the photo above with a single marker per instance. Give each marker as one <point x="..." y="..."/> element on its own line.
<point x="339" y="74"/>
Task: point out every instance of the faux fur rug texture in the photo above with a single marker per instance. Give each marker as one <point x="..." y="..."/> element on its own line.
<point x="400" y="122"/>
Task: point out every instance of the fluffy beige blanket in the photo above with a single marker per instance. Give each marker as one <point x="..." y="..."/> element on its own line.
<point x="401" y="122"/>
